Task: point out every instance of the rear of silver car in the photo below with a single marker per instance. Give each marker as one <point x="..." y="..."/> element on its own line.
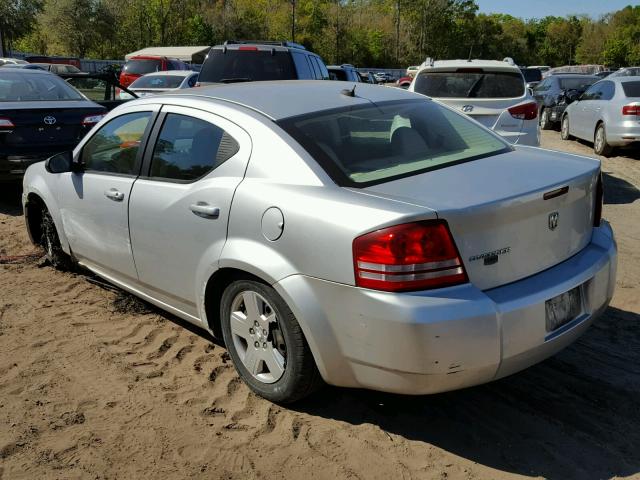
<point x="622" y="116"/>
<point x="532" y="266"/>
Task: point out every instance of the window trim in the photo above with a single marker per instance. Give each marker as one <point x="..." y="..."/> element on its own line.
<point x="153" y="138"/>
<point x="141" y="150"/>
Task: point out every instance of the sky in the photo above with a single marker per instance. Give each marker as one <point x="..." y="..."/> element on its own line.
<point x="542" y="8"/>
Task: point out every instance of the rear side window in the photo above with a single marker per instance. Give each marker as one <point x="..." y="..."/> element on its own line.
<point x="302" y="66"/>
<point x="375" y="143"/>
<point x="142" y="67"/>
<point x="114" y="148"/>
<point x="580" y="84"/>
<point x="631" y="89"/>
<point x="247" y="65"/>
<point x="338" y="74"/>
<point x="470" y="83"/>
<point x="189" y="148"/>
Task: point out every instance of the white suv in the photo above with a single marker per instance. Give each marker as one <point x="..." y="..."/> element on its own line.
<point x="492" y="92"/>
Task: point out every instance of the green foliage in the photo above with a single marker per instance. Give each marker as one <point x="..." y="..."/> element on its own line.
<point x="363" y="32"/>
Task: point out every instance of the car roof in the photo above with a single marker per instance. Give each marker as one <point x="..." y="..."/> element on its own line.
<point x="573" y="75"/>
<point x="630" y="78"/>
<point x="175" y="73"/>
<point x="28" y="71"/>
<point x="476" y="63"/>
<point x="289" y="98"/>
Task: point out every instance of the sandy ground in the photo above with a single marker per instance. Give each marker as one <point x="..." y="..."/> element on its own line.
<point x="94" y="384"/>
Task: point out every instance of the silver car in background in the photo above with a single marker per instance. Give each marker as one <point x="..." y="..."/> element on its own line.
<point x="156" y="83"/>
<point x="370" y="238"/>
<point x="607" y="114"/>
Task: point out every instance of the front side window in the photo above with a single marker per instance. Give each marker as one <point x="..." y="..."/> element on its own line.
<point x="593" y="93"/>
<point x="365" y="145"/>
<point x="189" y="148"/>
<point x="114" y="148"/>
<point x="470" y="83"/>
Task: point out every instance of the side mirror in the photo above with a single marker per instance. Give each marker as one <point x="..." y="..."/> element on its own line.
<point x="62" y="163"/>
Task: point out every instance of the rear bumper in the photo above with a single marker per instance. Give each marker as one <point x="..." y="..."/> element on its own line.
<point x="529" y="134"/>
<point x="623" y="133"/>
<point x="14" y="164"/>
<point x="434" y="341"/>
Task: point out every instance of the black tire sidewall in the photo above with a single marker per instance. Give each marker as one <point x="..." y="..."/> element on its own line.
<point x="545" y="121"/>
<point x="56" y="256"/>
<point x="285" y="388"/>
<point x="605" y="151"/>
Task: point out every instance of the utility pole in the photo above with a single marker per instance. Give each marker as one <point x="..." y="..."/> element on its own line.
<point x="1" y="42"/>
<point x="337" y="31"/>
<point x="397" y="32"/>
<point x="293" y="20"/>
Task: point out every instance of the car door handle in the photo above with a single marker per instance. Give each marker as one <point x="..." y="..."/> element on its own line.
<point x="114" y="195"/>
<point x="204" y="210"/>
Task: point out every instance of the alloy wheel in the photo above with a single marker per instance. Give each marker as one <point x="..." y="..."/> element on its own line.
<point x="257" y="336"/>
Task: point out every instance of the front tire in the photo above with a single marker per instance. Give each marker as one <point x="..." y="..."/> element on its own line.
<point x="51" y="243"/>
<point x="600" y="145"/>
<point x="266" y="343"/>
<point x="564" y="129"/>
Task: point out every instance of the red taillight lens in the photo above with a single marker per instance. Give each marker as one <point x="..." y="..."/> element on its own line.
<point x="527" y="111"/>
<point x="6" y="123"/>
<point x="631" y="110"/>
<point x="597" y="213"/>
<point x="412" y="256"/>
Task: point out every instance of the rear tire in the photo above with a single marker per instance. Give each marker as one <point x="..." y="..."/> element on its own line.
<point x="545" y="120"/>
<point x="600" y="145"/>
<point x="564" y="129"/>
<point x="266" y="343"/>
<point x="51" y="243"/>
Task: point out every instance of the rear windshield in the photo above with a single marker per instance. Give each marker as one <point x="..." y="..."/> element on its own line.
<point x="631" y="89"/>
<point x="142" y="67"/>
<point x="247" y="66"/>
<point x="21" y="86"/>
<point x="577" y="83"/>
<point x="158" y="81"/>
<point x="471" y="83"/>
<point x="365" y="145"/>
<point x="532" y="74"/>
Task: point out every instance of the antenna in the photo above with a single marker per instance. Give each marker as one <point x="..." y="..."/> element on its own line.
<point x="349" y="93"/>
<point x="470" y="53"/>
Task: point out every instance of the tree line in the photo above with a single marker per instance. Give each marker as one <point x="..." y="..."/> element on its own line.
<point x="380" y="33"/>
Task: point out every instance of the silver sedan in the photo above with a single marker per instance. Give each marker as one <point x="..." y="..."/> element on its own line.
<point x="607" y="114"/>
<point x="365" y="238"/>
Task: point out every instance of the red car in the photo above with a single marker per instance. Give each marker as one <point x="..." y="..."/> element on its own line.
<point x="143" y="64"/>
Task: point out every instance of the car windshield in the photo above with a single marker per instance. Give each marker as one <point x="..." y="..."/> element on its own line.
<point x="375" y="143"/>
<point x="247" y="65"/>
<point x="142" y="67"/>
<point x="532" y="74"/>
<point x="631" y="89"/>
<point x="20" y="85"/>
<point x="158" y="81"/>
<point x="579" y="83"/>
<point x="470" y="83"/>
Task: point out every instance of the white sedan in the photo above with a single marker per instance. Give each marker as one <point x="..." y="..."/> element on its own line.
<point x="162" y="82"/>
<point x="370" y="238"/>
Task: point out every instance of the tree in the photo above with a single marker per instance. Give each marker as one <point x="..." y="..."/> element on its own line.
<point x="17" y="19"/>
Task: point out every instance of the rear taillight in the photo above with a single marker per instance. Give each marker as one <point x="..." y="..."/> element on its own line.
<point x="631" y="110"/>
<point x="411" y="256"/>
<point x="6" y="123"/>
<point x="597" y="211"/>
<point x="92" y="119"/>
<point x="527" y="111"/>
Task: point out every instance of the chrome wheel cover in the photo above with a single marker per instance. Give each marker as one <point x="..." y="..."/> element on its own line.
<point x="257" y="337"/>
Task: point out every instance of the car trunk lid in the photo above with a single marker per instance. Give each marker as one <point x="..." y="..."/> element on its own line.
<point x="512" y="215"/>
<point x="52" y="125"/>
